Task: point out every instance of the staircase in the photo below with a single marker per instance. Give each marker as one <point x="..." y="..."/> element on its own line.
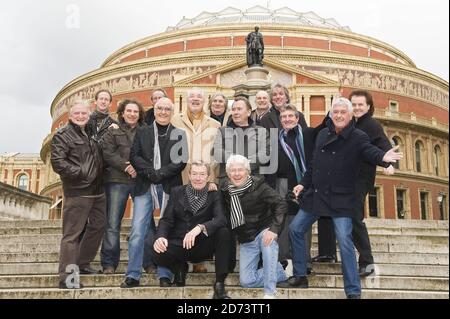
<point x="412" y="262"/>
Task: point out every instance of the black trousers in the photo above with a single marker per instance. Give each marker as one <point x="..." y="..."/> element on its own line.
<point x="217" y="244"/>
<point x="327" y="239"/>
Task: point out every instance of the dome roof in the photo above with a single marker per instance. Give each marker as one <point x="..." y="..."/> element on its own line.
<point x="258" y="14"/>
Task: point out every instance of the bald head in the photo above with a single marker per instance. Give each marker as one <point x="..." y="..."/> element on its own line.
<point x="163" y="111"/>
<point x="262" y="101"/>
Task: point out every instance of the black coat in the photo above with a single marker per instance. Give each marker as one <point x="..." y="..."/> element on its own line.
<point x="374" y="130"/>
<point x="285" y="167"/>
<point x="178" y="218"/>
<point x="262" y="207"/>
<point x="329" y="183"/>
<point x="98" y="126"/>
<point x="150" y="116"/>
<point x="141" y="157"/>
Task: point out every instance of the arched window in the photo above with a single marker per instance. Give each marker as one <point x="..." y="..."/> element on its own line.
<point x="418" y="147"/>
<point x="397" y="141"/>
<point x="22" y="182"/>
<point x="437" y="157"/>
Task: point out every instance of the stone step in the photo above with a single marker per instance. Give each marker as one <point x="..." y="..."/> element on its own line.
<point x="390" y="270"/>
<point x="383" y="267"/>
<point x="378" y="230"/>
<point x="382" y="257"/>
<point x="207" y="292"/>
<point x="406" y="223"/>
<point x="317" y="281"/>
<point x="374" y="238"/>
<point x="370" y="222"/>
<point x="376" y="247"/>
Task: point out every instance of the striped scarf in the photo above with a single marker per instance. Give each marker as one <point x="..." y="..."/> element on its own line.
<point x="236" y="214"/>
<point x="196" y="198"/>
<point x="300" y="168"/>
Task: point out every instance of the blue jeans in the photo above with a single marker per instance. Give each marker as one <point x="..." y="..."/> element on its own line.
<point x="116" y="198"/>
<point x="268" y="276"/>
<point x="343" y="229"/>
<point x="142" y="232"/>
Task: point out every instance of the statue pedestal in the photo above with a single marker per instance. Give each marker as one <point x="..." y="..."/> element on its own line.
<point x="257" y="76"/>
<point x="256" y="81"/>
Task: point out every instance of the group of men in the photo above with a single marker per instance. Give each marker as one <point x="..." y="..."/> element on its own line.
<point x="177" y="163"/>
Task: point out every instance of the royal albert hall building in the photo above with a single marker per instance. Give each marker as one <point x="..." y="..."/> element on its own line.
<point x="317" y="59"/>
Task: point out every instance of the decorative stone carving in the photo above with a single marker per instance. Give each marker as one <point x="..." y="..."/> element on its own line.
<point x="385" y="82"/>
<point x="147" y="80"/>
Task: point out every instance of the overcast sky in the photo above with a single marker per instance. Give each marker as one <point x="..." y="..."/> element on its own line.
<point x="42" y="46"/>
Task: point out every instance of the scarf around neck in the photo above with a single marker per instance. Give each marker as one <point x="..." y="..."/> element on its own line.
<point x="300" y="168"/>
<point x="236" y="213"/>
<point x="196" y="198"/>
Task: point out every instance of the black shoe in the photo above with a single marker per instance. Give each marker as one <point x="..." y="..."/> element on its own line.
<point x="63" y="285"/>
<point x="129" y="283"/>
<point x="219" y="291"/>
<point x="89" y="271"/>
<point x="294" y="282"/>
<point x="231" y="266"/>
<point x="366" y="270"/>
<point x="165" y="282"/>
<point x="324" y="259"/>
<point x="179" y="278"/>
<point x="356" y="296"/>
<point x="309" y="271"/>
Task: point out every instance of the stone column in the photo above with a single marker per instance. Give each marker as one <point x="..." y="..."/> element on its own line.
<point x="33" y="179"/>
<point x="10" y="179"/>
<point x="445" y="151"/>
<point x="409" y="149"/>
<point x="307" y="110"/>
<point x="429" y="156"/>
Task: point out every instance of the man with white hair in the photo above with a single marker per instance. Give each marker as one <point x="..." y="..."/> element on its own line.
<point x="257" y="214"/>
<point x="159" y="154"/>
<point x="76" y="157"/>
<point x="330" y="190"/>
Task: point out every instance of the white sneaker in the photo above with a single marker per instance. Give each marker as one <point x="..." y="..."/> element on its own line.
<point x="289" y="269"/>
<point x="268" y="296"/>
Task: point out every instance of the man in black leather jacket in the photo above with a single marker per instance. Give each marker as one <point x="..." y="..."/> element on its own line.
<point x="77" y="159"/>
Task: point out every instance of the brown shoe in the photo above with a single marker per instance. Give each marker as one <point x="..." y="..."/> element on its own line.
<point x="109" y="271"/>
<point x="199" y="268"/>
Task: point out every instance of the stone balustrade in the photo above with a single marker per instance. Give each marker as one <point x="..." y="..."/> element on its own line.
<point x="18" y="204"/>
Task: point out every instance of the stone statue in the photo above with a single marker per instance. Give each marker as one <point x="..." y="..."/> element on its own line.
<point x="255" y="48"/>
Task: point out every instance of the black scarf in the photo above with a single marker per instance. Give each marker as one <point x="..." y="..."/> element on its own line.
<point x="196" y="198"/>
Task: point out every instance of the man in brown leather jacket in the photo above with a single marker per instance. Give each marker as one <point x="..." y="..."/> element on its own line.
<point x="77" y="159"/>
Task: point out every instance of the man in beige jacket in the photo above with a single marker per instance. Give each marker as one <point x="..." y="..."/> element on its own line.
<point x="200" y="129"/>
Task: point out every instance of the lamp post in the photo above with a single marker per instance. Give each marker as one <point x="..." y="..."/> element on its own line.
<point x="440" y="200"/>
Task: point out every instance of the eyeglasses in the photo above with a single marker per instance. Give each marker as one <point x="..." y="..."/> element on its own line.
<point x="163" y="109"/>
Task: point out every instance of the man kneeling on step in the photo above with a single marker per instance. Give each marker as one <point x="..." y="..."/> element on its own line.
<point x="194" y="228"/>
